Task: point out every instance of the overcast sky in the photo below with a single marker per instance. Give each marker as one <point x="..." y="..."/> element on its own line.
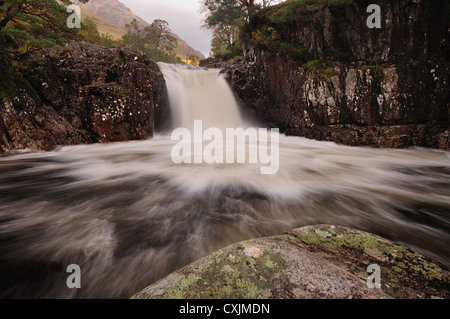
<point x="183" y="16"/>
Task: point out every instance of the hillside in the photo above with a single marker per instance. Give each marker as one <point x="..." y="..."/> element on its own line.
<point x="103" y="25"/>
<point x="111" y="17"/>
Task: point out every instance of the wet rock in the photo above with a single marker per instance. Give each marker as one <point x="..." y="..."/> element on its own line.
<point x="384" y="106"/>
<point x="83" y="94"/>
<point x="390" y="90"/>
<point x="311" y="262"/>
<point x="214" y="63"/>
<point x="410" y="30"/>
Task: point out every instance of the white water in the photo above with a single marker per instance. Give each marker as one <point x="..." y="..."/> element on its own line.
<point x="196" y="94"/>
<point x="128" y="215"/>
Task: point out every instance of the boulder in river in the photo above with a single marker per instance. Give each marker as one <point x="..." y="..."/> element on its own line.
<point x="311" y="262"/>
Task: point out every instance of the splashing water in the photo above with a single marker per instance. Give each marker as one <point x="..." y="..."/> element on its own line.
<point x="127" y="215"/>
<point x="196" y="93"/>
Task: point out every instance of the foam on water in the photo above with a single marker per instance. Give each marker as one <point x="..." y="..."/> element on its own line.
<point x="128" y="215"/>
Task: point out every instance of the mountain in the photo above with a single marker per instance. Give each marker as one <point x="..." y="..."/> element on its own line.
<point x="111" y="17"/>
<point x="103" y="25"/>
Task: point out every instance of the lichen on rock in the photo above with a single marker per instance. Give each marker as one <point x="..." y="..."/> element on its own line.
<point x="82" y="94"/>
<point x="354" y="85"/>
<point x="311" y="262"/>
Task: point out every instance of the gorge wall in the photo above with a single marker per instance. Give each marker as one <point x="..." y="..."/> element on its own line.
<point x="82" y="94"/>
<point x="320" y="72"/>
<point x="311" y="68"/>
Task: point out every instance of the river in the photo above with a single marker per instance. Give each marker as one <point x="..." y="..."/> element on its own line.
<point x="127" y="214"/>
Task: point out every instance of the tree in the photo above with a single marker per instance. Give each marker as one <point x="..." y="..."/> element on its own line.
<point x="223" y="18"/>
<point x="134" y="37"/>
<point x="163" y="40"/>
<point x="225" y="42"/>
<point x="89" y="31"/>
<point x="229" y="11"/>
<point x="107" y="40"/>
<point x="226" y="17"/>
<point x="154" y="40"/>
<point x="29" y="25"/>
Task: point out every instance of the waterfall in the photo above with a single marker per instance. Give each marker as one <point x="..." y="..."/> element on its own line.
<point x="200" y="94"/>
<point x="128" y="215"/>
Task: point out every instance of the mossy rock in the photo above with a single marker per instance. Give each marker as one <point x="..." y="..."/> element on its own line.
<point x="311" y="262"/>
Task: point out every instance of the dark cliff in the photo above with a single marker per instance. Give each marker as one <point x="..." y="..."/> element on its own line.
<point x="82" y="94"/>
<point x="320" y="72"/>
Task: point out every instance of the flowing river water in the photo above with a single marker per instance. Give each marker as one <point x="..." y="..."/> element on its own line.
<point x="128" y="215"/>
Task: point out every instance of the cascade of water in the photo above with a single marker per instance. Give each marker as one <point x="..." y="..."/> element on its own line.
<point x="200" y="94"/>
<point x="128" y="215"/>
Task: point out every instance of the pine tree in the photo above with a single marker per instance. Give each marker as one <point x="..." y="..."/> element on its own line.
<point x="27" y="26"/>
<point x="154" y="40"/>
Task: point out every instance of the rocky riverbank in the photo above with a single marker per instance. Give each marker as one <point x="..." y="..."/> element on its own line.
<point x="82" y="94"/>
<point x="324" y="74"/>
<point x="322" y="261"/>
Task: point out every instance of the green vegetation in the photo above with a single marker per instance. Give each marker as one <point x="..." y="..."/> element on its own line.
<point x="192" y="59"/>
<point x="226" y="18"/>
<point x="154" y="40"/>
<point x="304" y="10"/>
<point x="90" y="32"/>
<point x="25" y="27"/>
<point x="265" y="27"/>
<point x="103" y="25"/>
<point x="273" y="29"/>
<point x="313" y="65"/>
<point x="321" y="69"/>
<point x="30" y="25"/>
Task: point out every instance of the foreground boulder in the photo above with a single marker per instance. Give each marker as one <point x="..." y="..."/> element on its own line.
<point x="82" y="94"/>
<point x="307" y="263"/>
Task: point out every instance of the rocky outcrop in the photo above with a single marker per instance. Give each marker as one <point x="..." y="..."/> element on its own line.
<point x="307" y="263"/>
<point x="409" y="30"/>
<point x="214" y="63"/>
<point x="83" y="94"/>
<point x="390" y="90"/>
<point x="385" y="106"/>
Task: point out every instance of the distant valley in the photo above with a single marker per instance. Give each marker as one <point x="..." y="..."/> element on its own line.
<point x="111" y="16"/>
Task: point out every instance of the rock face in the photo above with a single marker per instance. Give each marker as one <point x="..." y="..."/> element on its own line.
<point x="390" y="90"/>
<point x="409" y="29"/>
<point x="214" y="63"/>
<point x="311" y="262"/>
<point x="83" y="94"/>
